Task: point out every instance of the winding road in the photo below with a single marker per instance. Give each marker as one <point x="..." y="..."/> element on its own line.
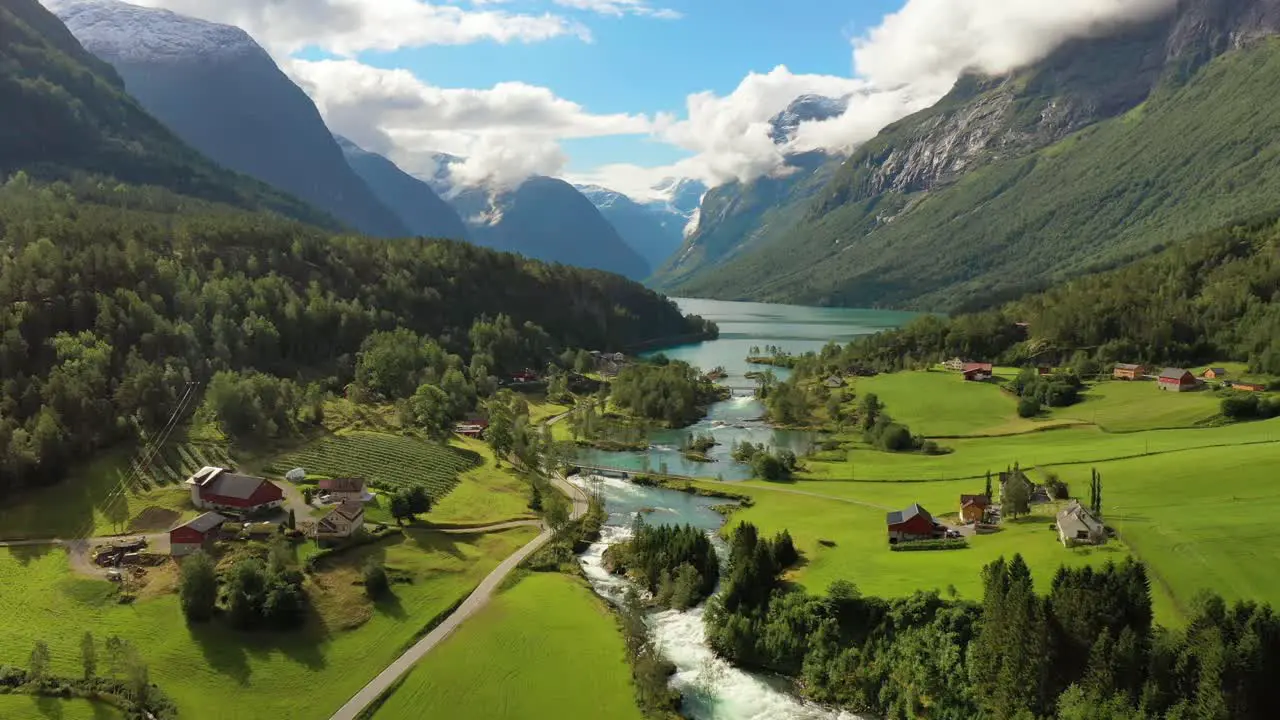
<point x="476" y="600"/>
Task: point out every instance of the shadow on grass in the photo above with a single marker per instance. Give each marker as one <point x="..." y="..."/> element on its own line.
<point x="228" y="650"/>
<point x="389" y="604"/>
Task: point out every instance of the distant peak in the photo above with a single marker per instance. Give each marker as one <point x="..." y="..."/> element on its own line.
<point x="806" y="108"/>
<point x="118" y="31"/>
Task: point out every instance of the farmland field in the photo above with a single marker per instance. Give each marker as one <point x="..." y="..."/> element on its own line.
<point x="386" y="461"/>
<point x="545" y="648"/>
<point x="484" y="494"/>
<point x="303" y="674"/>
<point x="941" y="403"/>
<point x="1126" y="406"/>
<point x="854" y="547"/>
<point x="973" y="457"/>
<point x="28" y="707"/>
<point x="105" y="497"/>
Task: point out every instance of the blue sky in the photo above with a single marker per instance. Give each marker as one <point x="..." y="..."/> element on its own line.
<point x="647" y="65"/>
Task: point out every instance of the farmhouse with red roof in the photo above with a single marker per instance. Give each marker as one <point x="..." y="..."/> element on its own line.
<point x="215" y="488"/>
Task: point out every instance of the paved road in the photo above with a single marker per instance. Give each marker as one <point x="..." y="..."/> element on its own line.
<point x="476" y="600"/>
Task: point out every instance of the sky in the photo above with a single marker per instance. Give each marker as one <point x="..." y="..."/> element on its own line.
<point x="625" y="93"/>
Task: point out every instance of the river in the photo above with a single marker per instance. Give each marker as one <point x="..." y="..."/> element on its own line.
<point x="743" y="326"/>
<point x="712" y="688"/>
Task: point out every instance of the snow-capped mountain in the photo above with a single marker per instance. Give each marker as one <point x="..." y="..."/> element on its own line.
<point x="806" y="108"/>
<point x="413" y="201"/>
<point x="654" y="228"/>
<point x="133" y="33"/>
<point x="221" y="92"/>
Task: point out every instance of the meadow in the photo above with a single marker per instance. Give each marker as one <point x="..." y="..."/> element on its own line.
<point x="216" y="673"/>
<point x="27" y="707"/>
<point x="1128" y="406"/>
<point x="485" y="494"/>
<point x="546" y="647"/>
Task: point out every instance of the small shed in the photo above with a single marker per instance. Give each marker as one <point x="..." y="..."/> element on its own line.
<point x="1177" y="380"/>
<point x="974" y="507"/>
<point x="1248" y="387"/>
<point x="1214" y="373"/>
<point x="197" y="534"/>
<point x="1128" y="371"/>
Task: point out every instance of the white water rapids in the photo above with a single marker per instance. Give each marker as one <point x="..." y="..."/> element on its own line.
<point x="712" y="688"/>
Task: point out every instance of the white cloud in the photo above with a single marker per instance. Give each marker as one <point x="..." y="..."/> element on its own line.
<point x="505" y="133"/>
<point x="348" y="27"/>
<point x="618" y="8"/>
<point x="904" y="65"/>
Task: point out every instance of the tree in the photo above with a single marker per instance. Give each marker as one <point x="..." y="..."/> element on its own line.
<point x="1015" y="496"/>
<point x="291" y="522"/>
<point x="38" y="665"/>
<point x="429" y="410"/>
<point x="115" y="655"/>
<point x="557" y="513"/>
<point x="88" y="656"/>
<point x="418" y="499"/>
<point x="137" y="676"/>
<point x="1095" y="492"/>
<point x="1028" y="407"/>
<point x="246" y="593"/>
<point x="987" y="492"/>
<point x="198" y="586"/>
<point x="401" y="509"/>
<point x="535" y="497"/>
<point x="376" y="583"/>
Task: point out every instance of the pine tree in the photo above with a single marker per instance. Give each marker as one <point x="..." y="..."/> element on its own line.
<point x="988" y="493"/>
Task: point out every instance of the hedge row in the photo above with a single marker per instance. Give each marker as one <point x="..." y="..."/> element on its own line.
<point x="948" y="544"/>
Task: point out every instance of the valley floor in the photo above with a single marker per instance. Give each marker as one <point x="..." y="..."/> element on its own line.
<point x="1192" y="497"/>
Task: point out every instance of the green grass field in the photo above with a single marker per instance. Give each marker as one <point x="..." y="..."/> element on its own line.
<point x="107" y="497"/>
<point x="304" y="674"/>
<point x="940" y="403"/>
<point x="1127" y="406"/>
<point x="28" y="707"/>
<point x="386" y="461"/>
<point x="544" y="648"/>
<point x="973" y="457"/>
<point x="843" y="540"/>
<point x="1202" y="520"/>
<point x="485" y="494"/>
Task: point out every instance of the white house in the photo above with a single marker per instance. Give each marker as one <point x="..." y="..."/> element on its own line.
<point x="343" y="522"/>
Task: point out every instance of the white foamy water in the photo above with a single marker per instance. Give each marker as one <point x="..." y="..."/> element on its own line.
<point x="712" y="688"/>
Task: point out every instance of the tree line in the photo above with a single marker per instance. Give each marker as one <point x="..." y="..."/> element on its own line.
<point x="1086" y="649"/>
<point x="672" y="392"/>
<point x="109" y="314"/>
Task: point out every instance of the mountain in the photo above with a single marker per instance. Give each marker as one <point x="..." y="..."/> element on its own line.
<point x="417" y="206"/>
<point x="546" y="219"/>
<point x="66" y="114"/>
<point x="1108" y="149"/>
<point x="653" y="228"/>
<point x="221" y="92"/>
<point x="736" y="217"/>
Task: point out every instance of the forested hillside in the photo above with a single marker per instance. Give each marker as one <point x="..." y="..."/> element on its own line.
<point x="1103" y="152"/>
<point x="1210" y="298"/>
<point x="108" y="310"/>
<point x="66" y="112"/>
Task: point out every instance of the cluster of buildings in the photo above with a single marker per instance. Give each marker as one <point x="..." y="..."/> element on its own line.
<point x="228" y="497"/>
<point x="1181" y="380"/>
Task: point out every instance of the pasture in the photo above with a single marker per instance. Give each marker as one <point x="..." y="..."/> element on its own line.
<point x="29" y="707"/>
<point x="305" y="674"/>
<point x="387" y="462"/>
<point x="544" y="648"/>
<point x="112" y="494"/>
<point x="940" y="403"/>
<point x="1128" y="406"/>
<point x="1202" y="520"/>
<point x="485" y="494"/>
<point x="973" y="457"/>
<point x="841" y="539"/>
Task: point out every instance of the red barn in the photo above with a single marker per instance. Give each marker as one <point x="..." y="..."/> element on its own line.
<point x="214" y="488"/>
<point x="1177" y="380"/>
<point x="914" y="523"/>
<point x="195" y="535"/>
<point x="977" y="371"/>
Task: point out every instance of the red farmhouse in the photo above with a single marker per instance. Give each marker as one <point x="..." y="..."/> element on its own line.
<point x="1177" y="380"/>
<point x="214" y="488"/>
<point x="914" y="523"/>
<point x="195" y="535"/>
<point x="977" y="371"/>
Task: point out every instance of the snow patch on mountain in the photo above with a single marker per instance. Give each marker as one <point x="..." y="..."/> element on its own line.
<point x="806" y="108"/>
<point x="120" y="32"/>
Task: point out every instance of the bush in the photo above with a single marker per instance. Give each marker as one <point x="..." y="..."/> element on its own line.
<point x="946" y="544"/>
<point x="1028" y="407"/>
<point x="198" y="587"/>
<point x="375" y="579"/>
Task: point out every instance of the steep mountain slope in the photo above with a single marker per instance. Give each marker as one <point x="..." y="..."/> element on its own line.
<point x="737" y="217"/>
<point x="655" y="229"/>
<point x="65" y="112"/>
<point x="413" y="201"/>
<point x="221" y="92"/>
<point x="547" y="219"/>
<point x="1103" y="151"/>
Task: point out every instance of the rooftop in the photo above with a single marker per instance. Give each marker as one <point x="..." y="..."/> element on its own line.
<point x="204" y="523"/>
<point x="901" y="516"/>
<point x="220" y="481"/>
